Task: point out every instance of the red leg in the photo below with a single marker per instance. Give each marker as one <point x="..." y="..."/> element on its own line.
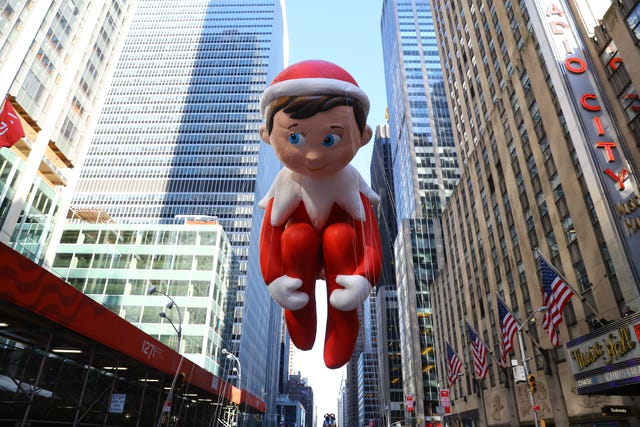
<point x="299" y="244"/>
<point x="341" y="256"/>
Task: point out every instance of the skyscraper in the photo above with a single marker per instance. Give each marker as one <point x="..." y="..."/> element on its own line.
<point x="424" y="174"/>
<point x="531" y="126"/>
<point x="370" y="409"/>
<point x="55" y="61"/>
<point x="389" y="356"/>
<point x="178" y="135"/>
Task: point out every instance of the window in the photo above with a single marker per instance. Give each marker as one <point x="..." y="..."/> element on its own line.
<point x="183" y="262"/>
<point x="62" y="260"/>
<point x="633" y="21"/>
<point x="569" y="230"/>
<point x="70" y="236"/>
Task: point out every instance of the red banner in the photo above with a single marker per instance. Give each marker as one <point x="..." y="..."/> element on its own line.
<point x="445" y="401"/>
<point x="410" y="403"/>
<point x="10" y="127"/>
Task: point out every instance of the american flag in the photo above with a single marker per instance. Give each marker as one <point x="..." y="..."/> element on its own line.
<point x="503" y="358"/>
<point x="479" y="353"/>
<point x="509" y="327"/>
<point x="455" y="365"/>
<point x="555" y="296"/>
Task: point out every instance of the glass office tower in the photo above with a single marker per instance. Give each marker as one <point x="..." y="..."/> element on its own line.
<point x="389" y="355"/>
<point x="370" y="406"/>
<point x="116" y="264"/>
<point x="178" y="135"/>
<point x="424" y="174"/>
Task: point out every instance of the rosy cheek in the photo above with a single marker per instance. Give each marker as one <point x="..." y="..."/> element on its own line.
<point x="290" y="154"/>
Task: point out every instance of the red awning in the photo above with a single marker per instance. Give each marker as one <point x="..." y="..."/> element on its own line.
<point x="30" y="293"/>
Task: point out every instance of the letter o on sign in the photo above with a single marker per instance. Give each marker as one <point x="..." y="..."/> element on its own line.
<point x="575" y="65"/>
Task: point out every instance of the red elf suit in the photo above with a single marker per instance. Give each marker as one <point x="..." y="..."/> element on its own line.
<point x="320" y="228"/>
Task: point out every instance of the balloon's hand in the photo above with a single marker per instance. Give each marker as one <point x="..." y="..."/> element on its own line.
<point x="284" y="290"/>
<point x="356" y="290"/>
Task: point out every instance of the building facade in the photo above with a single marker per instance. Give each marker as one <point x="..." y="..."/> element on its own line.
<point x="56" y="59"/>
<point x="116" y="264"/>
<point x="178" y="135"/>
<point x="341" y="415"/>
<point x="533" y="110"/>
<point x="615" y="42"/>
<point x="389" y="356"/>
<point x="292" y="413"/>
<point x="424" y="175"/>
<point x="351" y="401"/>
<point x="369" y="409"/>
<point x="297" y="389"/>
<point x="388" y="336"/>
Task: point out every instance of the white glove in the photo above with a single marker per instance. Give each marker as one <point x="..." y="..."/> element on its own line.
<point x="356" y="290"/>
<point x="284" y="291"/>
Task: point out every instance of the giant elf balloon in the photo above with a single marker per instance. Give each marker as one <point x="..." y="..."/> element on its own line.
<point x="319" y="221"/>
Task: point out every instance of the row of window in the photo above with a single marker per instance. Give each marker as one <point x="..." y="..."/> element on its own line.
<point x="137" y="261"/>
<point x="493" y="213"/>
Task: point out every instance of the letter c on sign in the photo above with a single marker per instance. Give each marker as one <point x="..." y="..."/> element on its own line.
<point x="586" y="105"/>
<point x="615" y="63"/>
<point x="570" y="64"/>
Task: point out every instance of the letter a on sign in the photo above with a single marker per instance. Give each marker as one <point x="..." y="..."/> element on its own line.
<point x="553" y="9"/>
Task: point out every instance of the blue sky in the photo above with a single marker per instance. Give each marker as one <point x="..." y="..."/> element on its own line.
<point x="347" y="33"/>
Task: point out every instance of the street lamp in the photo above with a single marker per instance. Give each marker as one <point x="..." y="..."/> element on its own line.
<point x="166" y="409"/>
<point x="525" y="361"/>
<point x="233" y="357"/>
<point x="153" y="290"/>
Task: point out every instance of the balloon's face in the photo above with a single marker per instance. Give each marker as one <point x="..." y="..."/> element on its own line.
<point x="318" y="146"/>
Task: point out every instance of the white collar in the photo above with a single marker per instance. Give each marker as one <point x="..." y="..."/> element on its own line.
<point x="318" y="195"/>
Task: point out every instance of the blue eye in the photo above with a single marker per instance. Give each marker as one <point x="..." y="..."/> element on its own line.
<point x="296" y="138"/>
<point x="330" y="140"/>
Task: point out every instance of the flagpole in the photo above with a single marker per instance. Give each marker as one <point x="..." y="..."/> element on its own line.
<point x="470" y="351"/>
<point x="507" y="363"/>
<point x="468" y="324"/>
<point x="445" y="366"/>
<point x="497" y="360"/>
<point x="484" y="408"/>
<point x="439" y="372"/>
<point x="579" y="294"/>
<point x="528" y="334"/>
<point x="451" y="379"/>
<point x="477" y="381"/>
<point x="525" y="364"/>
<point x="510" y="377"/>
<point x="493" y="355"/>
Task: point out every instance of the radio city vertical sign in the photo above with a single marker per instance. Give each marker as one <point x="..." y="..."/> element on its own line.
<point x="591" y="124"/>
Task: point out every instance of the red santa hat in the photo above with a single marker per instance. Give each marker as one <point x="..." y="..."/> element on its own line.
<point x="313" y="77"/>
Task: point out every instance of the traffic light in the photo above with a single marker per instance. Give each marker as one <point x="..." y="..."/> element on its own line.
<point x="180" y="381"/>
<point x="532" y="383"/>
